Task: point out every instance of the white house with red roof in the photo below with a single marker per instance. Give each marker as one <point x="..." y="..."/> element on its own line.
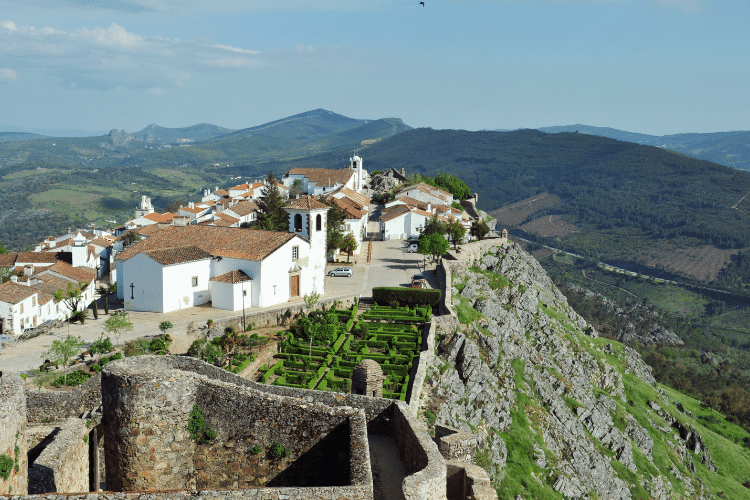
<point x="181" y="267"/>
<point x="426" y="193"/>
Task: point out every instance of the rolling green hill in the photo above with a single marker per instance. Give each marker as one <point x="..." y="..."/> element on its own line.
<point x="196" y="133"/>
<point x="726" y="148"/>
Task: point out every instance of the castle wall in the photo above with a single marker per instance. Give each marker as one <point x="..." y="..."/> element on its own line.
<point x="13" y="434"/>
<point x="147" y="407"/>
<point x="419" y="371"/>
<point x="63" y="466"/>
<point x="58" y="406"/>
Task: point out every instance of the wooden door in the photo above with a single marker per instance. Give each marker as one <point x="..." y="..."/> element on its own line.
<point x="294" y="285"/>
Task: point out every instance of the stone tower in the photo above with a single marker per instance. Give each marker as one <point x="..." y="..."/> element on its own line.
<point x="367" y="379"/>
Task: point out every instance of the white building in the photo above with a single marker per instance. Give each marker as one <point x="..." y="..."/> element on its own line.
<point x="426" y="193"/>
<point x="181" y="267"/>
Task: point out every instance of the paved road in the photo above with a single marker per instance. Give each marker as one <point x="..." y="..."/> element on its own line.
<point x="390" y="265"/>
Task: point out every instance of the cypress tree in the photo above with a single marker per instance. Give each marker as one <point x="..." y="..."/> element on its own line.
<point x="271" y="204"/>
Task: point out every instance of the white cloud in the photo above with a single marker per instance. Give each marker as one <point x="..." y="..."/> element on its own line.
<point x="7" y="75"/>
<point x="114" y="36"/>
<point x="235" y="49"/>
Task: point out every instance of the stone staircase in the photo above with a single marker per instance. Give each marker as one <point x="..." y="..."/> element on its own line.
<point x="365" y="304"/>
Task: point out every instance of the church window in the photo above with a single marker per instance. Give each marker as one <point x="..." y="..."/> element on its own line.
<point x="297" y="222"/>
<point x="295" y="252"/>
<point x="318" y="222"/>
<point x="195" y="280"/>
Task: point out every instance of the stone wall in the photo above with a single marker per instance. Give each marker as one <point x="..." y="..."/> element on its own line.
<point x="419" y="371"/>
<point x="147" y="408"/>
<point x="13" y="434"/>
<point x="58" y="406"/>
<point x="475" y="250"/>
<point x="63" y="466"/>
<point x="276" y="316"/>
<point x="468" y="481"/>
<point x="423" y="462"/>
<point x="455" y="445"/>
<point x="331" y="493"/>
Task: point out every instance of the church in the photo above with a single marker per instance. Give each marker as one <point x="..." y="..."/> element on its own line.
<point x="232" y="268"/>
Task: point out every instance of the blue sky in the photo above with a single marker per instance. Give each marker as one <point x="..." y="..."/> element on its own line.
<point x="649" y="66"/>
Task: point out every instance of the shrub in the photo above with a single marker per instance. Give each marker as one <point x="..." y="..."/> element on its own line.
<point x="6" y="464"/>
<point x="277" y="451"/>
<point x="255" y="450"/>
<point x="75" y="378"/>
<point x="406" y="296"/>
<point x="96" y="368"/>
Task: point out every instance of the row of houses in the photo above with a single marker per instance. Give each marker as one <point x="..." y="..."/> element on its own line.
<point x="29" y="300"/>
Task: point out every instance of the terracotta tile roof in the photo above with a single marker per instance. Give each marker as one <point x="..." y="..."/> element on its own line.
<point x="306" y="203"/>
<point x="240" y="187"/>
<point x="149" y="230"/>
<point x="49" y="283"/>
<point x="8" y="259"/>
<point x="179" y="255"/>
<point x="412" y="202"/>
<point x="217" y="222"/>
<point x="195" y="210"/>
<point x="244" y="208"/>
<point x="233" y="277"/>
<point x="40" y="257"/>
<point x="426" y="188"/>
<point x="393" y="212"/>
<point x="101" y="242"/>
<point x="349" y="207"/>
<point x="221" y="192"/>
<point x="74" y="273"/>
<point x="227" y="218"/>
<point x="324" y="176"/>
<point x="13" y="293"/>
<point x="162" y="218"/>
<point x="353" y="195"/>
<point x="233" y="242"/>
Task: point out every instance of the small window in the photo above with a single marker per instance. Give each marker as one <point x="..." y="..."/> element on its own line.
<point x="33" y="300"/>
<point x="298" y="222"/>
<point x="318" y="222"/>
<point x="195" y="280"/>
<point x="244" y="293"/>
<point x="21" y="308"/>
<point x="295" y="252"/>
<point x="58" y="308"/>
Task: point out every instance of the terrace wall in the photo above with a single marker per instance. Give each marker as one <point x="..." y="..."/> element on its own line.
<point x="147" y="408"/>
<point x="13" y="433"/>
<point x="63" y="466"/>
<point x="57" y="406"/>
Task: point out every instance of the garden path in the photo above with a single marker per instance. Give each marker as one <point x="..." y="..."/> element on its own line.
<point x="388" y="471"/>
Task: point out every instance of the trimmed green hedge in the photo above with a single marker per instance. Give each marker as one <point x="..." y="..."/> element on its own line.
<point x="406" y="296"/>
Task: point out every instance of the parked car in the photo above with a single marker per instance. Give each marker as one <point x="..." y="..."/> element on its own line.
<point x="418" y="281"/>
<point x="341" y="271"/>
<point x="412" y="248"/>
<point x="412" y="239"/>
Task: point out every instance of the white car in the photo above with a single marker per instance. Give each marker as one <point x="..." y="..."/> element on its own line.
<point x="341" y="271"/>
<point x="412" y="248"/>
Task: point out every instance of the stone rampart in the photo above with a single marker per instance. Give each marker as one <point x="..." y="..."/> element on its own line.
<point x="147" y="407"/>
<point x="455" y="445"/>
<point x="474" y="250"/>
<point x="278" y="315"/>
<point x="423" y="462"/>
<point x="63" y="466"/>
<point x="468" y="481"/>
<point x="301" y="493"/>
<point x="57" y="406"/>
<point x="419" y="371"/>
<point x="13" y="446"/>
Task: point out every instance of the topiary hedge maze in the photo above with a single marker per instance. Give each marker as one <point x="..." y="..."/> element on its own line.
<point x="392" y="336"/>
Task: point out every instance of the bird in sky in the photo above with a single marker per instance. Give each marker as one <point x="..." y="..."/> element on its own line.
<point x="421" y="3"/>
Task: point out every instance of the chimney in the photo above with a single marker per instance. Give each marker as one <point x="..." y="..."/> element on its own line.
<point x="403" y="171"/>
<point x="191" y="205"/>
<point x="14" y="278"/>
<point x="28" y="269"/>
<point x="51" y="242"/>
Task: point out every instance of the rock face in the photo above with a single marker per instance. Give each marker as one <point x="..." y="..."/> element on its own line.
<point x="527" y="363"/>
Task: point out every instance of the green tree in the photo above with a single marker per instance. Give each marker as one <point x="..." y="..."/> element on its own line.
<point x="296" y="188"/>
<point x="117" y="324"/>
<point x="479" y="229"/>
<point x="101" y="346"/>
<point x="434" y="226"/>
<point x="311" y="300"/>
<point x="174" y="205"/>
<point x="130" y="238"/>
<point x="349" y="245"/>
<point x="272" y="215"/>
<point x="433" y="244"/>
<point x="42" y="377"/>
<point x="164" y="326"/>
<point x="453" y="185"/>
<point x="71" y="296"/>
<point x="62" y="351"/>
<point x="334" y="229"/>
<point x="455" y="231"/>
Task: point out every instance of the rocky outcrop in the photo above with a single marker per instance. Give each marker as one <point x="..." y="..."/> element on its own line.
<point x="527" y="362"/>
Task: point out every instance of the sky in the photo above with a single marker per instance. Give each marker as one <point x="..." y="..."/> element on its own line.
<point x="650" y="66"/>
